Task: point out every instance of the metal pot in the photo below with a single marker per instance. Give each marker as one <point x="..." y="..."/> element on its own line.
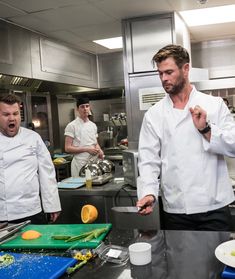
<point x="106" y="165"/>
<point x="93" y="167"/>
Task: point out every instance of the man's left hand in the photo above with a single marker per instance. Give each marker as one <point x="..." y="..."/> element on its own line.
<point x="54" y="216"/>
<point x="199" y="117"/>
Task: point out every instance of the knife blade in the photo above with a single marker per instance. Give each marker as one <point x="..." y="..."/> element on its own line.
<point x="126" y="209"/>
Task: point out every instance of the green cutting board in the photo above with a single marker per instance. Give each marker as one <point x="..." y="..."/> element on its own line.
<point x="46" y="241"/>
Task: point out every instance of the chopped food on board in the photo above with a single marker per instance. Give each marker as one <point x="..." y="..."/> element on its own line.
<point x="6" y="260"/>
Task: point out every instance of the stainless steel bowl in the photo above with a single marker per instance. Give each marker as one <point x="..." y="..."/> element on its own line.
<point x="94" y="169"/>
<point x="106" y="165"/>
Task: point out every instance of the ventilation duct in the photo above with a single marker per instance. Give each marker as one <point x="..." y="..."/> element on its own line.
<point x="12" y="83"/>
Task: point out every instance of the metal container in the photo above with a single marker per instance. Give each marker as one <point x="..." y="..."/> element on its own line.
<point x="106" y="165"/>
<point x="93" y="167"/>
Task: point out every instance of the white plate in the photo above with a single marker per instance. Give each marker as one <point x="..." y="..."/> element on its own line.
<point x="223" y="253"/>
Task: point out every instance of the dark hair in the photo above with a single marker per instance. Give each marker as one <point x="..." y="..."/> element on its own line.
<point x="226" y="101"/>
<point x="81" y="101"/>
<point x="177" y="52"/>
<point x="10" y="99"/>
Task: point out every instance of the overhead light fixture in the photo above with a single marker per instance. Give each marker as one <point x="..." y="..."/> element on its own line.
<point x="207" y="16"/>
<point x="111" y="43"/>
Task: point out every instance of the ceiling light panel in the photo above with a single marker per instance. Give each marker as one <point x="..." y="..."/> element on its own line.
<point x="207" y="16"/>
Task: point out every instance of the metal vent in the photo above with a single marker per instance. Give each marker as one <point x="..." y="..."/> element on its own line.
<point x="19" y="83"/>
<point x="149" y="96"/>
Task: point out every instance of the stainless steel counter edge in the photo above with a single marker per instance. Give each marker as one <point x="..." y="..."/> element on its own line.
<point x="109" y="189"/>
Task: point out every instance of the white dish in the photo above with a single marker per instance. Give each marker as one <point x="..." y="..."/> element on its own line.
<point x="223" y="253"/>
<point x="140" y="253"/>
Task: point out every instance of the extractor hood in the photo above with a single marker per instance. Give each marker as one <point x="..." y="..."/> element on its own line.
<point x="15" y="83"/>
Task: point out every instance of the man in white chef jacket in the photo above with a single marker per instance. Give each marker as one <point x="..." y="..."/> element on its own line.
<point x="28" y="187"/>
<point x="81" y="138"/>
<point x="183" y="140"/>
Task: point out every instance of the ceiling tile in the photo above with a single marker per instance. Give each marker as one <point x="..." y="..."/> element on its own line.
<point x="93" y="48"/>
<point x="31" y="22"/>
<point x="6" y="11"/>
<point x="125" y="9"/>
<point x="73" y="16"/>
<point x="40" y="5"/>
<point x="66" y="36"/>
<point x="99" y="31"/>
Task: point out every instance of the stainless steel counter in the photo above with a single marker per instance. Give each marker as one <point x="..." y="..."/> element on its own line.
<point x="175" y="255"/>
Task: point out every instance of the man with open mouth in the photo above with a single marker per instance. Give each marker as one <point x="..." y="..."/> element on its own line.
<point x="28" y="187"/>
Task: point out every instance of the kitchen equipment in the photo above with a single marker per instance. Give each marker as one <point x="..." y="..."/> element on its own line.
<point x="94" y="169"/>
<point x="140" y="253"/>
<point x="9" y="231"/>
<point x="126" y="209"/>
<point x="106" y="165"/>
<point x="36" y="266"/>
<point x="102" y="179"/>
<point x="113" y="253"/>
<point x="126" y="217"/>
<point x="47" y="231"/>
<point x="130" y="167"/>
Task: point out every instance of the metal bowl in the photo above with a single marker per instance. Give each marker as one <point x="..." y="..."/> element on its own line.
<point x="106" y="165"/>
<point x="94" y="169"/>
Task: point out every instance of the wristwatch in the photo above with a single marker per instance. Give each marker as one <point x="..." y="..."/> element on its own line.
<point x="206" y="129"/>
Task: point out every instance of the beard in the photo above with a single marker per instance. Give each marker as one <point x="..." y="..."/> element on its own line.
<point x="175" y="89"/>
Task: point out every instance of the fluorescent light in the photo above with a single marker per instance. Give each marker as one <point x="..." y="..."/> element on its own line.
<point x="207" y="16"/>
<point x="110" y="43"/>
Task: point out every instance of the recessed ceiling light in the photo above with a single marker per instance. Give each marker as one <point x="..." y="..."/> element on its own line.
<point x="111" y="43"/>
<point x="207" y="16"/>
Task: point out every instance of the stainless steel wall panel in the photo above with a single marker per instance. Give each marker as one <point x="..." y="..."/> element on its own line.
<point x="110" y="67"/>
<point x="148" y="34"/>
<point x="134" y="114"/>
<point x="56" y="62"/>
<point x="14" y="51"/>
<point x="63" y="60"/>
<point x="66" y="107"/>
<point x="216" y="56"/>
<point x="5" y="47"/>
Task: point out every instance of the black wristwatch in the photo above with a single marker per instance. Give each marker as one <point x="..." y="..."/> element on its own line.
<point x="206" y="129"/>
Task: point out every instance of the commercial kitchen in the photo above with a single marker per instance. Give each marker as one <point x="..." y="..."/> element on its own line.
<point x="121" y="86"/>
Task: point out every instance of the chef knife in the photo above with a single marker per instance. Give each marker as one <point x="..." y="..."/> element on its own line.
<point x="126" y="209"/>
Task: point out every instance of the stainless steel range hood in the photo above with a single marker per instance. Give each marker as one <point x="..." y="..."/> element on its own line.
<point x="15" y="83"/>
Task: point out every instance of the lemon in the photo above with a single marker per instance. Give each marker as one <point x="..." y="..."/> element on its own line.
<point x="89" y="213"/>
<point x="30" y="234"/>
<point x="59" y="161"/>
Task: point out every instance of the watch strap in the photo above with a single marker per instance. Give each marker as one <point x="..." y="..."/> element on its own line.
<point x="206" y="129"/>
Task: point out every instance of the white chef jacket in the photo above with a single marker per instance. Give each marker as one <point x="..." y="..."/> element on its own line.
<point x="193" y="174"/>
<point x="26" y="170"/>
<point x="83" y="134"/>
